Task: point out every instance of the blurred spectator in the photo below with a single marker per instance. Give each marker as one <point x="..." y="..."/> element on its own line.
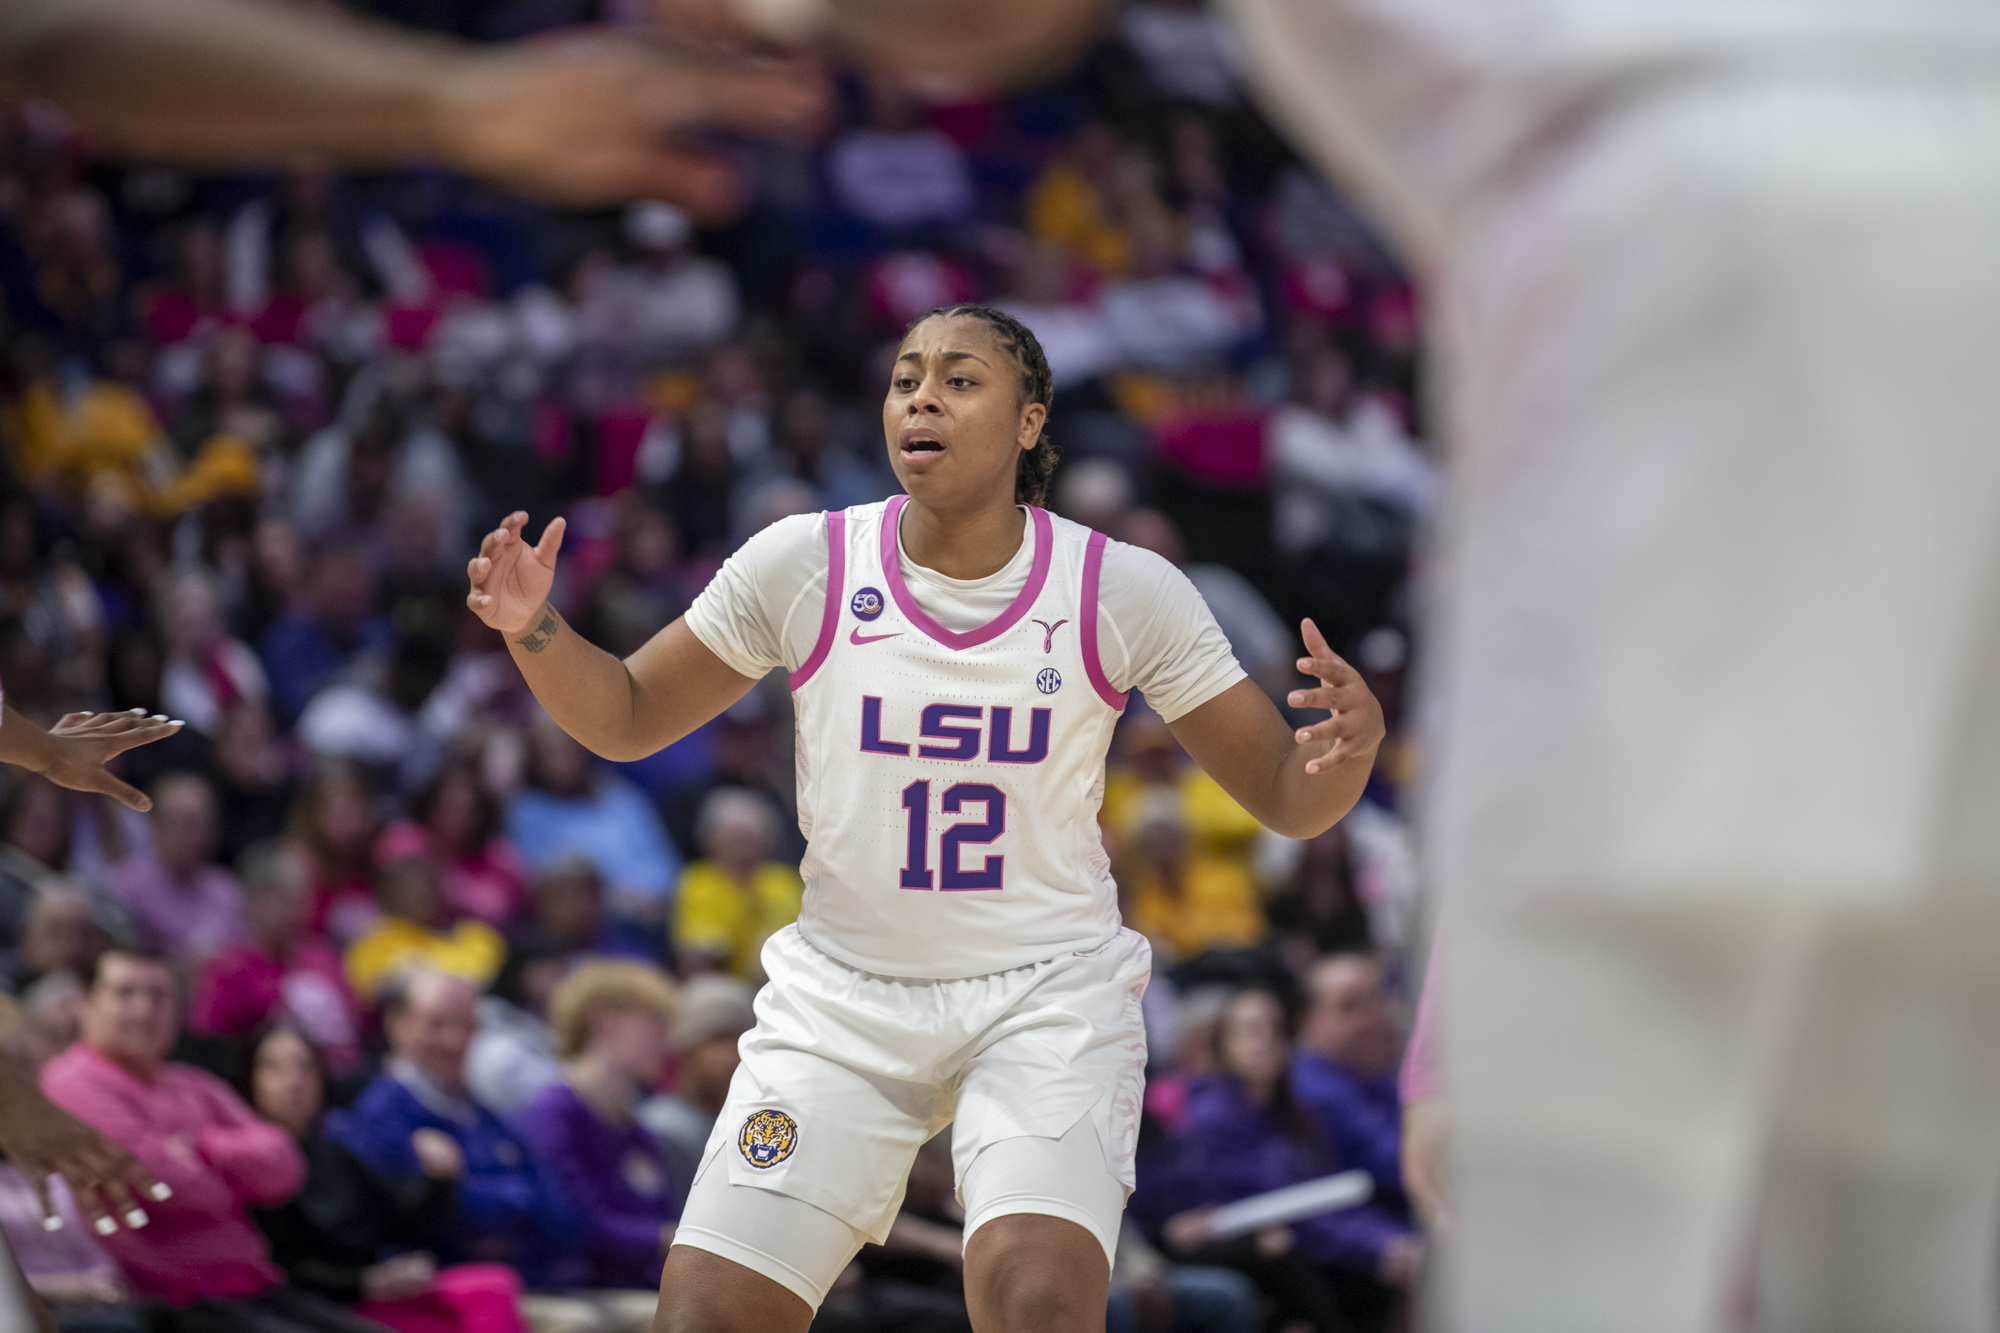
<point x="415" y="931"/>
<point x="356" y="1237"/>
<point x="1336" y="440"/>
<point x="1345" y="1069"/>
<point x="508" y="1211"/>
<point x="457" y="825"/>
<point x="611" y="1021"/>
<point x="1148" y="1292"/>
<point x="735" y="897"/>
<point x="252" y="780"/>
<point x="52" y="599"/>
<point x="714" y="1014"/>
<point x="35" y="837"/>
<point x="1083" y="201"/>
<point x="1041" y="293"/>
<point x="180" y="901"/>
<point x="308" y="646"/>
<point x="380" y="713"/>
<point x="573" y="806"/>
<point x="207" y="673"/>
<point x="233" y="398"/>
<point x="61" y="935"/>
<point x="894" y="171"/>
<point x="1246" y="1133"/>
<point x="381" y="449"/>
<point x="570" y="914"/>
<point x="283" y="974"/>
<point x="513" y="1055"/>
<point x="1318" y="909"/>
<point x="1186" y="901"/>
<point x="1262" y="644"/>
<point x="200" y="1248"/>
<point x="742" y="759"/>
<point x="812" y="443"/>
<point x="1164" y="319"/>
<point x="641" y="593"/>
<point x="335" y="821"/>
<point x="665" y="306"/>
<point x="1150" y="763"/>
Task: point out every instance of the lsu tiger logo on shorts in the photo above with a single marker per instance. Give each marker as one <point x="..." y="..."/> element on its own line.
<point x="767" y="1138"/>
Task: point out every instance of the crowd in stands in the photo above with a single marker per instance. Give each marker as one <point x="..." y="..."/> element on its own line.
<point x="423" y="1012"/>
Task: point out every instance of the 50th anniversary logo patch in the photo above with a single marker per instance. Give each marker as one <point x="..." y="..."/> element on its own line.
<point x="767" y="1138"/>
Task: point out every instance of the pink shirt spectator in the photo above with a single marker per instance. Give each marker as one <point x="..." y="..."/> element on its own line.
<point x="200" y="914"/>
<point x="241" y="990"/>
<point x="491" y="884"/>
<point x="208" y="1147"/>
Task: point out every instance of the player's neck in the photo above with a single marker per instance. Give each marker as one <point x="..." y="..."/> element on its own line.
<point x="968" y="543"/>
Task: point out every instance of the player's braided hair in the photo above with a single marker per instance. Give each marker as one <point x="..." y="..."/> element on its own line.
<point x="1037" y="466"/>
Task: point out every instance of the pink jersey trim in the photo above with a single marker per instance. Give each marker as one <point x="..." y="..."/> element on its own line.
<point x="836" y="579"/>
<point x="892" y="569"/>
<point x="1093" y="666"/>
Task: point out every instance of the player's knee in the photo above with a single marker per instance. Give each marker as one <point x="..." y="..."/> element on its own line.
<point x="1037" y="1275"/>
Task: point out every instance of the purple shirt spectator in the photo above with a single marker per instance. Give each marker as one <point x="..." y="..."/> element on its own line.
<point x="1360" y="1117"/>
<point x="617" y="1177"/>
<point x="1233" y="1148"/>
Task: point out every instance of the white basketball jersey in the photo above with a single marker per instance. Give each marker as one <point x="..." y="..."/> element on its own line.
<point x="948" y="783"/>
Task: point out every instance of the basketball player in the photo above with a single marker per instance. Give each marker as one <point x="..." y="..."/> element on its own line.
<point x="958" y="658"/>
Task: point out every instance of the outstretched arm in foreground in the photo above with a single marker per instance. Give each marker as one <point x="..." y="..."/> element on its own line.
<point x="583" y="120"/>
<point x="618" y="709"/>
<point x="1298" y="783"/>
<point x="73" y="752"/>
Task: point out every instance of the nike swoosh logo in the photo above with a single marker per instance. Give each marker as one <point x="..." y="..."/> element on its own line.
<point x="858" y="637"/>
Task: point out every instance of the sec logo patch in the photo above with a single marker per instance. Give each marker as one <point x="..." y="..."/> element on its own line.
<point x="1049" y="680"/>
<point x="866" y="604"/>
<point x="767" y="1138"/>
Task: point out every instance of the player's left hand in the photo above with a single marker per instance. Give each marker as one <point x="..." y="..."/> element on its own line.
<point x="1356" y="726"/>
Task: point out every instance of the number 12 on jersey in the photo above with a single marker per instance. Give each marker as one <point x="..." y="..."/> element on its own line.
<point x="917" y="865"/>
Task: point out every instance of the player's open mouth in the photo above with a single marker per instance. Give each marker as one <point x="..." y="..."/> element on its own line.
<point x="919" y="441"/>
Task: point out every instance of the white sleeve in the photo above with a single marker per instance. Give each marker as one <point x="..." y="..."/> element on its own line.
<point x="763" y="607"/>
<point x="1156" y="635"/>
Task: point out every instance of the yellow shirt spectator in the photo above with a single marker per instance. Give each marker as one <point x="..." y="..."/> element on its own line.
<point x="717" y="916"/>
<point x="1208" y="904"/>
<point x="472" y="950"/>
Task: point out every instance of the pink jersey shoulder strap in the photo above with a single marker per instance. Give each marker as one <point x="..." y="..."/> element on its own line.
<point x="1093" y="665"/>
<point x="836" y="579"/>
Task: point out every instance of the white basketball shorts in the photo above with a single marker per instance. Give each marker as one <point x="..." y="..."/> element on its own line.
<point x="1040" y="1069"/>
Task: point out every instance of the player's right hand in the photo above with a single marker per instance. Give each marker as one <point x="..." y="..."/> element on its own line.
<point x="511" y="579"/>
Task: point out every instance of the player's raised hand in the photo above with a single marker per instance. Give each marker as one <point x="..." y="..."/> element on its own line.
<point x="1356" y="724"/>
<point x="511" y="579"/>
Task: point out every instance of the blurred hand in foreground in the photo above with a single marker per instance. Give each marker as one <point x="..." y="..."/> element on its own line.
<point x="74" y="751"/>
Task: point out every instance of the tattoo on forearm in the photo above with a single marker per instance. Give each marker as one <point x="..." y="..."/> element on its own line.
<point x="543" y="633"/>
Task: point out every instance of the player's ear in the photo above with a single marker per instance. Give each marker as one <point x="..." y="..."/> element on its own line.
<point x="1033" y="417"/>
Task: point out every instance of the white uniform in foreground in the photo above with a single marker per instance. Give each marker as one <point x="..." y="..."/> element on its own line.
<point x="959" y="958"/>
<point x="1717" y="797"/>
